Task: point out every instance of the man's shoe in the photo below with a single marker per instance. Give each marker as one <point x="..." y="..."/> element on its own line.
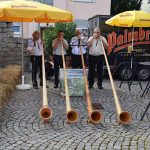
<point x="100" y="87"/>
<point x="35" y="87"/>
<point x="55" y="86"/>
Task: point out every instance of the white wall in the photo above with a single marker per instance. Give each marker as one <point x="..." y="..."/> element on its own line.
<point x="84" y="11"/>
<point x="60" y="4"/>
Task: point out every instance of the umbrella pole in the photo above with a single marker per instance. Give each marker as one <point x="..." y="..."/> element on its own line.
<point x="22" y="55"/>
<point x="132" y="47"/>
<point x="23" y="86"/>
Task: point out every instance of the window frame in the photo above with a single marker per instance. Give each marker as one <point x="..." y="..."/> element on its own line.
<point x="17" y="24"/>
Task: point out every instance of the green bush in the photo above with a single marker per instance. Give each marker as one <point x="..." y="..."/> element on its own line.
<point x="51" y="33"/>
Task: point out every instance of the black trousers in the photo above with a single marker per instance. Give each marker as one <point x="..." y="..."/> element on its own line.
<point x="95" y="61"/>
<point x="58" y="63"/>
<point x="36" y="64"/>
<point x="76" y="61"/>
<point x="32" y="65"/>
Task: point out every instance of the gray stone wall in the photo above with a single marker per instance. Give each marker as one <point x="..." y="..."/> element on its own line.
<point x="10" y="47"/>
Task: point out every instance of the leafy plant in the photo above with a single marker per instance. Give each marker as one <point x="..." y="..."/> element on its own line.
<point x="51" y="33"/>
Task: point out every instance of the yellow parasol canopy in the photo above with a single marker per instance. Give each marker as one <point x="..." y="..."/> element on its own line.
<point x="28" y="11"/>
<point x="130" y="19"/>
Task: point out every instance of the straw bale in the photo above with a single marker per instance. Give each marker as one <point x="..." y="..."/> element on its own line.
<point x="7" y="87"/>
<point x="16" y="74"/>
<point x="5" y="91"/>
<point x="9" y="77"/>
<point x="15" y="68"/>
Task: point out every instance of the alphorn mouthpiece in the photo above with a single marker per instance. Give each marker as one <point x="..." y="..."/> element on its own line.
<point x="45" y="113"/>
<point x="124" y="117"/>
<point x="72" y="116"/>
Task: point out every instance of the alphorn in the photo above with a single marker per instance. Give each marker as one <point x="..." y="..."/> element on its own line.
<point x="45" y="112"/>
<point x="95" y="116"/>
<point x="71" y="115"/>
<point x="124" y="117"/>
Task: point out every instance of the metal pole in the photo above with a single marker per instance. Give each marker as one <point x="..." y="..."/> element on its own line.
<point x="22" y="57"/>
<point x="23" y="86"/>
<point x="132" y="47"/>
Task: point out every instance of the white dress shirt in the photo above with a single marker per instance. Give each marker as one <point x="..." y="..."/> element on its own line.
<point x="57" y="51"/>
<point x="96" y="48"/>
<point x="76" y="45"/>
<point x="37" y="47"/>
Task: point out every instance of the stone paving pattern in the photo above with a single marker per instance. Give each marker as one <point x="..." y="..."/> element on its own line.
<point x="22" y="129"/>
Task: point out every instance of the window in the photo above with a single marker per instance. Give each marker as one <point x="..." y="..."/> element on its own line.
<point x="85" y="32"/>
<point x="17" y="27"/>
<point x="85" y="1"/>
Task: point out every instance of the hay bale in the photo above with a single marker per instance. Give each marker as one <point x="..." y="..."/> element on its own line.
<point x="3" y="96"/>
<point x="10" y="75"/>
<point x="9" y="88"/>
<point x="16" y="69"/>
<point x="7" y="77"/>
<point x="5" y="91"/>
<point x="14" y="66"/>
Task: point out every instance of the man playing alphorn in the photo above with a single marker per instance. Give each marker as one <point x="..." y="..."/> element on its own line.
<point x="96" y="57"/>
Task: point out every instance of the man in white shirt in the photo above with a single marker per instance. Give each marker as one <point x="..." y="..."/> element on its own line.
<point x="57" y="54"/>
<point x="36" y="58"/>
<point x="96" y="57"/>
<point x="75" y="43"/>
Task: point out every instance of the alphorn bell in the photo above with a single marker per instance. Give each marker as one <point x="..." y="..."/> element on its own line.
<point x="124" y="117"/>
<point x="45" y="112"/>
<point x="71" y="115"/>
<point x="95" y="116"/>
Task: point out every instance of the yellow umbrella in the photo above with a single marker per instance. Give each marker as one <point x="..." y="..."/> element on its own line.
<point x="130" y="19"/>
<point x="28" y="11"/>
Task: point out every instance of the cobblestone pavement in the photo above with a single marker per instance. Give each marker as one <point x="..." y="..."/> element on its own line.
<point x="22" y="129"/>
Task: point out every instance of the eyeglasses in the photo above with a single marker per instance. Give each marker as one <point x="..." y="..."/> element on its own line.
<point x="96" y="32"/>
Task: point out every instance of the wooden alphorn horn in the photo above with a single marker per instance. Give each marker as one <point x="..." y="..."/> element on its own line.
<point x="45" y="112"/>
<point x="71" y="115"/>
<point x="124" y="117"/>
<point x="95" y="116"/>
